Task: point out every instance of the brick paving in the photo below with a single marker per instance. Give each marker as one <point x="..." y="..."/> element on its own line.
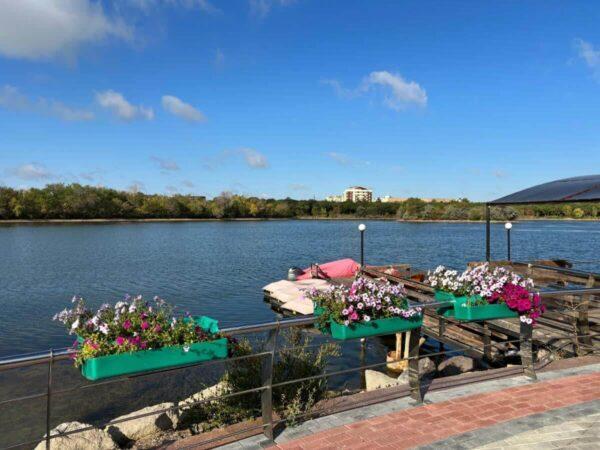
<point x="428" y="424"/>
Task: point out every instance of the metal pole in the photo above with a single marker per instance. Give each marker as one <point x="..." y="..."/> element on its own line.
<point x="362" y="249"/>
<point x="266" y="397"/>
<point x="508" y="242"/>
<point x="362" y="227"/>
<point x="526" y="350"/>
<point x="487" y="233"/>
<point x="414" y="377"/>
<point x="48" y="399"/>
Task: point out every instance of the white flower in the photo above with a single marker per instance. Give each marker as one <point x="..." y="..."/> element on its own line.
<point x="103" y="328"/>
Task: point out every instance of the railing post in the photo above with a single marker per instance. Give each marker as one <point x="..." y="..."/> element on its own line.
<point x="526" y="350"/>
<point x="414" y="379"/>
<point x="266" y="398"/>
<point x="487" y="342"/>
<point x="48" y="399"/>
<point x="584" y="339"/>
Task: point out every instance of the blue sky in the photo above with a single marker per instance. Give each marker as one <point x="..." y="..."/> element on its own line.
<point x="299" y="98"/>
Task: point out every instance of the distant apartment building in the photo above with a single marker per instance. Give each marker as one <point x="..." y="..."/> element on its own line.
<point x="353" y="194"/>
<point x="358" y="194"/>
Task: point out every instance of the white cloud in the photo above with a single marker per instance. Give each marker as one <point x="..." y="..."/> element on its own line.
<point x="262" y="8"/>
<point x="42" y="29"/>
<point x="202" y="5"/>
<point x="31" y="171"/>
<point x="402" y="93"/>
<point x="166" y="165"/>
<point x="181" y="109"/>
<point x="255" y="159"/>
<point x="188" y="184"/>
<point x="252" y="158"/>
<point x="12" y="99"/>
<point x="115" y="102"/>
<point x="339" y="158"/>
<point x="340" y="90"/>
<point x="588" y="53"/>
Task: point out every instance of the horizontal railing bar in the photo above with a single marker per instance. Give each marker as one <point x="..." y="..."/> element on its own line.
<point x="563" y="270"/>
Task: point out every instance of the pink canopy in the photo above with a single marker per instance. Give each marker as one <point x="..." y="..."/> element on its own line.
<point x="343" y="268"/>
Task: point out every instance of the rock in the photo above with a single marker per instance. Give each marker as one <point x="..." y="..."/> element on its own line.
<point x="377" y="380"/>
<point x="544" y="355"/>
<point x="187" y="407"/>
<point x="457" y="365"/>
<point x="94" y="438"/>
<point x="125" y="432"/>
<point x="218" y="389"/>
<point x="426" y="366"/>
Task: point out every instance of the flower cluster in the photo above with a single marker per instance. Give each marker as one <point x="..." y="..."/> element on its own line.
<point x="364" y="301"/>
<point x="482" y="285"/>
<point x="130" y="325"/>
<point x="519" y="299"/>
<point x="448" y="280"/>
<point x="486" y="282"/>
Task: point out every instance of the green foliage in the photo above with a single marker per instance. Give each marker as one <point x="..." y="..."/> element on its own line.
<point x="298" y="359"/>
<point x="75" y="201"/>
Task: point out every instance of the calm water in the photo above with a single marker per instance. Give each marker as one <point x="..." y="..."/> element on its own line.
<point x="219" y="268"/>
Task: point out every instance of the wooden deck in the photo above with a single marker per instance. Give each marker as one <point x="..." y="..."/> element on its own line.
<point x="571" y="325"/>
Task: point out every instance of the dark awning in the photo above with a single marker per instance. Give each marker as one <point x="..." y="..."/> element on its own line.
<point x="576" y="189"/>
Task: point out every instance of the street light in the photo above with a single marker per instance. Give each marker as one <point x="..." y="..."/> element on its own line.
<point x="508" y="226"/>
<point x="362" y="227"/>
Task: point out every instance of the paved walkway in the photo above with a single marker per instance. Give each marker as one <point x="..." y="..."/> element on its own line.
<point x="562" y="410"/>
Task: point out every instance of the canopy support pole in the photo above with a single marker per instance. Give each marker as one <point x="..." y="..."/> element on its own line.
<point x="487" y="233"/>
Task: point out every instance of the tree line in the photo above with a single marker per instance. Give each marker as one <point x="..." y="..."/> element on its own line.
<point x="75" y="201"/>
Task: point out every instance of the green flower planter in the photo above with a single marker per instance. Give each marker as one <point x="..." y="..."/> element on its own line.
<point x="492" y="311"/>
<point x="147" y="360"/>
<point x="441" y="296"/>
<point x="376" y="327"/>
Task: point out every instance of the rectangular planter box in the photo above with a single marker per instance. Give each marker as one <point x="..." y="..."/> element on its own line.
<point x="483" y="312"/>
<point x="161" y="358"/>
<point x="374" y="327"/>
<point x="446" y="311"/>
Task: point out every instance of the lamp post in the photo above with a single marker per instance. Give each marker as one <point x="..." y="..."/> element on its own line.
<point x="508" y="226"/>
<point x="362" y="227"/>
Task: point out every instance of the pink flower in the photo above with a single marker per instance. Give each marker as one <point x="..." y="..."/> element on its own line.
<point x="120" y="340"/>
<point x="127" y="324"/>
<point x="145" y="325"/>
<point x="157" y="328"/>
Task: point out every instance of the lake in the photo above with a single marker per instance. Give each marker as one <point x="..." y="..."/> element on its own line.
<point x="219" y="268"/>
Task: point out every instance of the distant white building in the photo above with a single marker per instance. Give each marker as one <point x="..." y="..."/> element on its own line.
<point x="358" y="194"/>
<point x="353" y="194"/>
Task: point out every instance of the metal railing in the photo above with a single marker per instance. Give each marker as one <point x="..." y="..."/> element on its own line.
<point x="268" y="352"/>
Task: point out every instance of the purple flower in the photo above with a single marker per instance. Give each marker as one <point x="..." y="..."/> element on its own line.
<point x="127" y="324"/>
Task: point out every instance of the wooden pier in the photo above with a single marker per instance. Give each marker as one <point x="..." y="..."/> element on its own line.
<point x="569" y="327"/>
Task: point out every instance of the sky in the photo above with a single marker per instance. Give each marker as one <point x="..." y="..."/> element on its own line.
<point x="299" y="98"/>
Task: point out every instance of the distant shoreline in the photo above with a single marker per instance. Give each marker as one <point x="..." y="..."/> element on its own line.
<point x="256" y="219"/>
